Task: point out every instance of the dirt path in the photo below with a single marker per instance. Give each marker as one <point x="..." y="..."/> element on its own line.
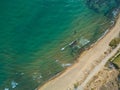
<point x="98" y="68"/>
<point x="86" y="62"/>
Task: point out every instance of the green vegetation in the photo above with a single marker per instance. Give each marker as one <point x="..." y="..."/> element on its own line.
<point x="117" y="60"/>
<point x="114" y="42"/>
<point x="76" y="85"/>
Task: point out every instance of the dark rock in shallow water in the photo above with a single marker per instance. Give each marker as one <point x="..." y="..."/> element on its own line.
<point x="104" y="6"/>
<point x="72" y="44"/>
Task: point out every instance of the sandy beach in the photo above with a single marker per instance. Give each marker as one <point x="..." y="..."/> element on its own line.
<point x="86" y="62"/>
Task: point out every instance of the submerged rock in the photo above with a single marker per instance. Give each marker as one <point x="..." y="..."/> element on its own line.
<point x="83" y="41"/>
<point x="73" y="43"/>
<point x="108" y="7"/>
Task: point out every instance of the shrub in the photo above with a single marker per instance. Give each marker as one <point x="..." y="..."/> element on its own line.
<point x="114" y="42"/>
<point x="76" y="85"/>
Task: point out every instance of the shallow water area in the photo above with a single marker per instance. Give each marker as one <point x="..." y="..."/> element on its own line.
<point x="40" y="38"/>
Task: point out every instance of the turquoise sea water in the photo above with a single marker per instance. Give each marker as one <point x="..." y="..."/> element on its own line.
<point x="35" y="37"/>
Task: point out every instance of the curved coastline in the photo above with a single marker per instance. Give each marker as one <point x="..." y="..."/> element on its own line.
<point x="58" y="81"/>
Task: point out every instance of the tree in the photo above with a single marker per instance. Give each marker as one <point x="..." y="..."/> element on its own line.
<point x="76" y="85"/>
<point x="114" y="42"/>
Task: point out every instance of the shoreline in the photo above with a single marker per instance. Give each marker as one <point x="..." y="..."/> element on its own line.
<point x="51" y="84"/>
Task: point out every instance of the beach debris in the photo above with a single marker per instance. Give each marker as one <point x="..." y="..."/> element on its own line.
<point x="14" y="84"/>
<point x="6" y="89"/>
<point x="66" y="65"/>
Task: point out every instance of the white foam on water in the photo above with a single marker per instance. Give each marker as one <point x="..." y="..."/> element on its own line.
<point x="71" y="43"/>
<point x="37" y="76"/>
<point x="62" y="49"/>
<point x="56" y="60"/>
<point x="22" y="73"/>
<point x="115" y="12"/>
<point x="66" y="65"/>
<point x="6" y="89"/>
<point x="14" y="84"/>
<point x="83" y="41"/>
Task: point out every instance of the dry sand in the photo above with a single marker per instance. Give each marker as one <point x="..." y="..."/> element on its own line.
<point x="86" y="62"/>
